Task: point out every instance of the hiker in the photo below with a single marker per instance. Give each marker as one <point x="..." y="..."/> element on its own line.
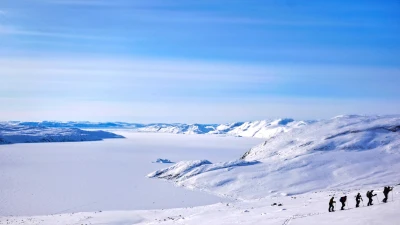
<point x="343" y="201"/>
<point x="386" y="191"/>
<point x="331" y="207"/>
<point x="370" y="194"/>
<point x="358" y="199"/>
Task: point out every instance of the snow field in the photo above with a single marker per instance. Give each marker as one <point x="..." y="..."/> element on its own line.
<point x="306" y="209"/>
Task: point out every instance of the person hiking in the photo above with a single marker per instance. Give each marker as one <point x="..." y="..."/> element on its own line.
<point x="331" y="207"/>
<point x="370" y="194"/>
<point x="386" y="191"/>
<point x="358" y="199"/>
<point x="343" y="201"/>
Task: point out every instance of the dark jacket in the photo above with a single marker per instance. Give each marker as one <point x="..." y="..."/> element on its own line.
<point x="386" y="190"/>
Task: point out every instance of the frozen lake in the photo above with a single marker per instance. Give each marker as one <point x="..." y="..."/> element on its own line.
<point x="49" y="178"/>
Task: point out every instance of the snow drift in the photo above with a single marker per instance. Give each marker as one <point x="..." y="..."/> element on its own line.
<point x="345" y="151"/>
<point x="14" y="133"/>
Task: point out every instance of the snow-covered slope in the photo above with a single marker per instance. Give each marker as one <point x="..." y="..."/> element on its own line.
<point x="258" y="129"/>
<point x="347" y="133"/>
<point x="261" y="129"/>
<point x="346" y="151"/>
<point x="299" y="168"/>
<point x="14" y="133"/>
<point x="307" y="209"/>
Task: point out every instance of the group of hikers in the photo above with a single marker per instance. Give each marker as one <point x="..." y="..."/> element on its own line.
<point x="370" y="195"/>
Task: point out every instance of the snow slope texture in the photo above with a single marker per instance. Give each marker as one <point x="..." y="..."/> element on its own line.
<point x="14" y="133"/>
<point x="343" y="152"/>
<point x="307" y="209"/>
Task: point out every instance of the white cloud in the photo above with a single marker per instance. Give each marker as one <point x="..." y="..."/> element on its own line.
<point x="86" y="68"/>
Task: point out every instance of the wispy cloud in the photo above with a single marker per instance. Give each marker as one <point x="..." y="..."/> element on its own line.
<point x="188" y="58"/>
<point x="173" y="12"/>
<point x="148" y="90"/>
<point x="135" y="78"/>
<point x="114" y="3"/>
<point x="190" y="111"/>
<point x="185" y="17"/>
<point x="12" y="30"/>
<point x="147" y="69"/>
<point x="82" y="2"/>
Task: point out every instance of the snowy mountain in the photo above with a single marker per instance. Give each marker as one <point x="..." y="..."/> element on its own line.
<point x="287" y="179"/>
<point x="345" y="133"/>
<point x="80" y="124"/>
<point x="15" y="133"/>
<point x="261" y="129"/>
<point x="258" y="129"/>
<point x="346" y="151"/>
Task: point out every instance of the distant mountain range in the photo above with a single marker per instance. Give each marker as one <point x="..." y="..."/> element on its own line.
<point x="12" y="132"/>
<point x="258" y="129"/>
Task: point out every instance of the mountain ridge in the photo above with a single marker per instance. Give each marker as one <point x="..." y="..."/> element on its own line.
<point x="257" y="129"/>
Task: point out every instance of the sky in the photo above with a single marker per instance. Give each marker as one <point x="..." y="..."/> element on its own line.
<point x="198" y="61"/>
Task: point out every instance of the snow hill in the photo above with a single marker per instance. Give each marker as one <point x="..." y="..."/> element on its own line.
<point x="15" y="133"/>
<point x="299" y="167"/>
<point x="343" y="152"/>
<point x="259" y="129"/>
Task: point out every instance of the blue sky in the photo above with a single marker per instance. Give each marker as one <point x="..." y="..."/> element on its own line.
<point x="198" y="61"/>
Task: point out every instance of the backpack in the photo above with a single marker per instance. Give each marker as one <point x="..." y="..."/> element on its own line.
<point x="342" y="199"/>
<point x="368" y="194"/>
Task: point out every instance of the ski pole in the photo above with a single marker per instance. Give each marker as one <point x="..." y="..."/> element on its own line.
<point x="392" y="196"/>
<point x="363" y="203"/>
<point x="378" y="199"/>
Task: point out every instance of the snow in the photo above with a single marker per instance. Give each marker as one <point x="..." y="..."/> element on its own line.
<point x="261" y="129"/>
<point x="51" y="178"/>
<point x="186" y="169"/>
<point x="343" y="152"/>
<point x="299" y="164"/>
<point x="258" y="129"/>
<point x="351" y="133"/>
<point x="14" y="133"/>
<point x="306" y="209"/>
